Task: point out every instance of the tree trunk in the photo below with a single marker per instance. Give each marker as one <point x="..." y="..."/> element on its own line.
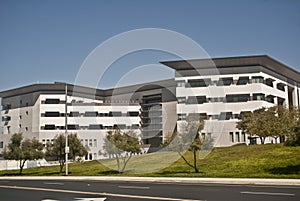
<point x="118" y="162"/>
<point x="186" y="161"/>
<point x="195" y="161"/>
<point x="126" y="161"/>
<point x="61" y="165"/>
<point x="22" y="163"/>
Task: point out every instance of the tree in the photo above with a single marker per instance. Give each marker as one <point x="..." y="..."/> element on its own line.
<point x="57" y="149"/>
<point x="277" y="121"/>
<point x="293" y="137"/>
<point x="121" y="145"/>
<point x="23" y="150"/>
<point x="189" y="140"/>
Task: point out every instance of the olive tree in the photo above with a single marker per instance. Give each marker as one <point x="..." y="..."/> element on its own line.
<point x="122" y="146"/>
<point x="23" y="150"/>
<point x="56" y="149"/>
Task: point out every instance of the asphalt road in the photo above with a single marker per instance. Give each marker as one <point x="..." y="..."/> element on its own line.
<point x="62" y="190"/>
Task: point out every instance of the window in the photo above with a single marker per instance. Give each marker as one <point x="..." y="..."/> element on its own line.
<point x="216" y="99"/>
<point x="20" y="125"/>
<point x="269" y="82"/>
<point x="86" y="142"/>
<point x="26" y="112"/>
<point x="194" y="117"/>
<point x="20" y="117"/>
<point x="8" y="129"/>
<point x="49" y="127"/>
<point x="231" y="136"/>
<point x="132" y="114"/>
<point x="26" y="128"/>
<point x="1" y="145"/>
<point x="225" y="81"/>
<point x="215" y="117"/>
<point x="259" y="97"/>
<point x="95" y="127"/>
<point x="73" y="127"/>
<point x="196" y="100"/>
<point x="257" y="79"/>
<point x="280" y="86"/>
<point x="225" y="115"/>
<point x="181" y="117"/>
<point x="115" y="114"/>
<point x="237" y="98"/>
<point x="90" y="142"/>
<point x="243" y="137"/>
<point x="270" y="99"/>
<point x="181" y="100"/>
<point x="237" y="136"/>
<point x="74" y="114"/>
<point x="7" y="118"/>
<point x="95" y="142"/>
<point x="180" y="83"/>
<point x="153" y="113"/>
<point x="119" y="126"/>
<point x="91" y="114"/>
<point x="7" y="107"/>
<point x="52" y="114"/>
<point x="199" y="83"/>
<point x="52" y="101"/>
<point x="243" y="81"/>
<point x="135" y="126"/>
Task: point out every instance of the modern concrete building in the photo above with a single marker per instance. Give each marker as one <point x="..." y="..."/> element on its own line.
<point x="216" y="90"/>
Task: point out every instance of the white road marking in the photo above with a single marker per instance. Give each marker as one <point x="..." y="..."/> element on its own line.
<point x="267" y="193"/>
<point x="54" y="183"/>
<point x="135" y="187"/>
<point x="81" y="199"/>
<point x="95" y="193"/>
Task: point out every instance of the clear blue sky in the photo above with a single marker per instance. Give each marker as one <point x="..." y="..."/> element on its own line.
<point x="47" y="40"/>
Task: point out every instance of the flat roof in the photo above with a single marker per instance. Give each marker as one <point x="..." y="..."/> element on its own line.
<point x="59" y="87"/>
<point x="240" y="61"/>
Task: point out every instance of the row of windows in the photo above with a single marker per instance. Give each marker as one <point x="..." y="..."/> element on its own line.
<point x="89" y="142"/>
<point x="204" y="116"/>
<point x="228" y="99"/>
<point x="84" y="142"/>
<point x="153" y="127"/>
<point x="58" y="101"/>
<point x="91" y="114"/>
<point x="151" y="114"/>
<point x="237" y="137"/>
<point x="90" y="127"/>
<point x="229" y="81"/>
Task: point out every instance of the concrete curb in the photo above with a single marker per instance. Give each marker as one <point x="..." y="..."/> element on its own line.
<point x="234" y="181"/>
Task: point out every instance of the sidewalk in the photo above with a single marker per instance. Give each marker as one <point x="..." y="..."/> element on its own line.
<point x="236" y="181"/>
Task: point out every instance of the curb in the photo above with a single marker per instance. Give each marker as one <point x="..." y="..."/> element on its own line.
<point x="234" y="181"/>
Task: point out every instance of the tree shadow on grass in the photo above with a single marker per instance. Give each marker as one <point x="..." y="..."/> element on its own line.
<point x="291" y="169"/>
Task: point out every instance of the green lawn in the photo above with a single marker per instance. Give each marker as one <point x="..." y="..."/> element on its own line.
<point x="258" y="161"/>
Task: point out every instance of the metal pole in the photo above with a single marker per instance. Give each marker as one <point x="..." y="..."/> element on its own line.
<point x="66" y="130"/>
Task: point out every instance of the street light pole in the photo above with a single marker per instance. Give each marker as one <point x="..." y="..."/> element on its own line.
<point x="66" y="130"/>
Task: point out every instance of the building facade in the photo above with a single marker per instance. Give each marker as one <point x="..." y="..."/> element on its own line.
<point x="217" y="91"/>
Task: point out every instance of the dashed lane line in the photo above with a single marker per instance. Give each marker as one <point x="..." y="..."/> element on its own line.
<point x="96" y="193"/>
<point x="267" y="193"/>
<point x="135" y="187"/>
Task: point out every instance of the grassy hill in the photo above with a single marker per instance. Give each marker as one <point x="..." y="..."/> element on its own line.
<point x="258" y="161"/>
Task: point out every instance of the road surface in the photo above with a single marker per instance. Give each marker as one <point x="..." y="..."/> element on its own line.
<point x="66" y="190"/>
